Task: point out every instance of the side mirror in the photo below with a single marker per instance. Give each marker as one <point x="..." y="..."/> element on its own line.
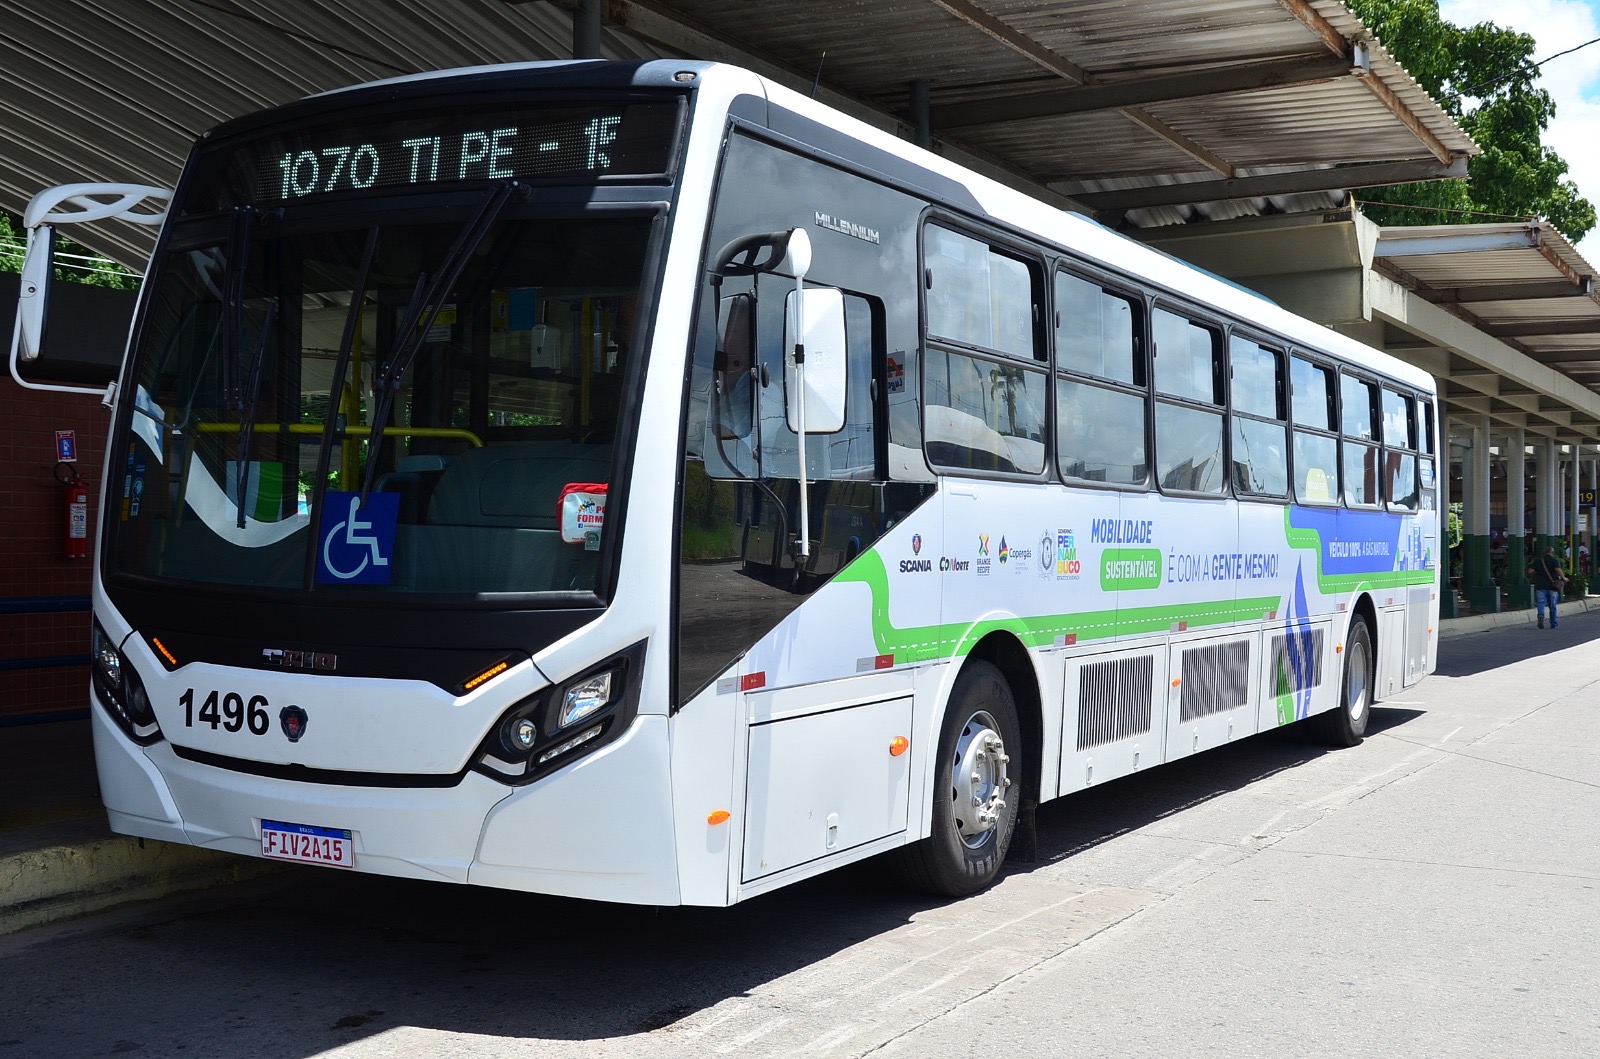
<point x="33" y="297"/>
<point x="819" y="312"/>
<point x="735" y="356"/>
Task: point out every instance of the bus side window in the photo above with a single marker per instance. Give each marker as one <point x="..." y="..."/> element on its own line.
<point x="1100" y="397"/>
<point x="1189" y="415"/>
<point x="1358" y="415"/>
<point x="1260" y="437"/>
<point x="1316" y="448"/>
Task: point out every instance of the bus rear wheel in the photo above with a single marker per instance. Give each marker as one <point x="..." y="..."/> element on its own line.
<point x="974" y="810"/>
<point x="1346" y="724"/>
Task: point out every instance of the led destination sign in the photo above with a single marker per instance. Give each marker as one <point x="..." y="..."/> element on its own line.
<point x="582" y="142"/>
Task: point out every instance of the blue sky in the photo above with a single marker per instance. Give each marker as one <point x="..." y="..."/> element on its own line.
<point x="1572" y="80"/>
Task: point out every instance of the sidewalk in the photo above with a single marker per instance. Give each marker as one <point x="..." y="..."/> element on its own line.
<point x="57" y="857"/>
<point x="59" y="860"/>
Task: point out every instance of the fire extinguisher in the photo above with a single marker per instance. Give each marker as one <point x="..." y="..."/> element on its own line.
<point x="77" y="540"/>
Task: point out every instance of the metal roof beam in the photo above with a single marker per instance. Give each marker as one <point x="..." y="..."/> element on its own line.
<point x="1535" y="328"/>
<point x="1509" y="292"/>
<point x="1216" y="80"/>
<point x="1465" y="242"/>
<point x="1330" y="179"/>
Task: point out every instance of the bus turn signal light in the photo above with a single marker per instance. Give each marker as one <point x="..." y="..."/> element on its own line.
<point x="166" y="655"/>
<point x="721" y="816"/>
<point x="899" y="745"/>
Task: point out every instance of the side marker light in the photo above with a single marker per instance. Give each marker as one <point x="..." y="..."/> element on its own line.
<point x="899" y="745"/>
<point x="1338" y="649"/>
<point x="721" y="816"/>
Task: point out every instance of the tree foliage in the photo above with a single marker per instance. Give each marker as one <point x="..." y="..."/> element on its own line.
<point x="92" y="269"/>
<point x="1484" y="77"/>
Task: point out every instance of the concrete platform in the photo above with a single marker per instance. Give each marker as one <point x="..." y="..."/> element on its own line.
<point x="58" y="859"/>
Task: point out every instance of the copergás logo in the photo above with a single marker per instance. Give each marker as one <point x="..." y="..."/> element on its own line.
<point x="1005" y="553"/>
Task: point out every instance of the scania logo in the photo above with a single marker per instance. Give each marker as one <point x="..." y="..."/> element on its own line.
<point x="916" y="544"/>
<point x="293" y="721"/>
<point x="326" y="661"/>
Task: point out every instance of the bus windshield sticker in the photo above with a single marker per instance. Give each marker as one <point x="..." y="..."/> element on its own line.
<point x="357" y="539"/>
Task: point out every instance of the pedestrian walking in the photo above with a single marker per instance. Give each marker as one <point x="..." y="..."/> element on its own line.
<point x="1548" y="579"/>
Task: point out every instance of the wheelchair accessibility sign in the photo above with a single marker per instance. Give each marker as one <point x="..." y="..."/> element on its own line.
<point x="357" y="540"/>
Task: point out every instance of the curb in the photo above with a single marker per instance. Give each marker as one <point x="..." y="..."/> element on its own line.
<point x="1484" y="622"/>
<point x="60" y="881"/>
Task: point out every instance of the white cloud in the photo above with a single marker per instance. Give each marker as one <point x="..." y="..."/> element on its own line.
<point x="1573" y="81"/>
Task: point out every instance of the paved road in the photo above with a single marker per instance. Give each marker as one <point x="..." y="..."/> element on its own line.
<point x="1434" y="892"/>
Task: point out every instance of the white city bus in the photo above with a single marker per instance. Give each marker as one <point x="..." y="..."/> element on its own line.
<point x="459" y="521"/>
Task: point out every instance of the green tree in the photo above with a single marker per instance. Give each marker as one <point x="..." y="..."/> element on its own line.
<point x="1486" y="78"/>
<point x="85" y="266"/>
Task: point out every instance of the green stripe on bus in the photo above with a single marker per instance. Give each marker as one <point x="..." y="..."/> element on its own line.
<point x="930" y="642"/>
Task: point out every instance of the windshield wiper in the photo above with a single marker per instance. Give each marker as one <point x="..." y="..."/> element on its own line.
<point x="427" y="301"/>
<point x="247" y="426"/>
<point x="334" y="421"/>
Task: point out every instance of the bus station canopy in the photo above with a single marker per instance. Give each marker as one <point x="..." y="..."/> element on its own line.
<point x="1505" y="315"/>
<point x="1143" y="114"/>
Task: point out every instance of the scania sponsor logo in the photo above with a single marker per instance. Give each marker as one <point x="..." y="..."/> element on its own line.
<point x="916" y="544"/>
<point x="951" y="565"/>
<point x="916" y="566"/>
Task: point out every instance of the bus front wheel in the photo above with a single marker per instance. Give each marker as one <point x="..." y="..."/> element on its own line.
<point x="975" y="792"/>
<point x="1346" y="724"/>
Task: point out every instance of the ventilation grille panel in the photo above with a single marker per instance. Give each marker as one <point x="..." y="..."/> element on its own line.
<point x="1114" y="700"/>
<point x="1216" y="679"/>
<point x="1296" y="662"/>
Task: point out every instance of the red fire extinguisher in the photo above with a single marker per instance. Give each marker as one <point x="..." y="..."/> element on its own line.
<point x="77" y="540"/>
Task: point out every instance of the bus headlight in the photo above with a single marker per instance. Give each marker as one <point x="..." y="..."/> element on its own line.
<point x="559" y="724"/>
<point x="586" y="697"/>
<point x="120" y="689"/>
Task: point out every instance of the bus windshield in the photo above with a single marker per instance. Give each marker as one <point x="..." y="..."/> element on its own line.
<point x="251" y="456"/>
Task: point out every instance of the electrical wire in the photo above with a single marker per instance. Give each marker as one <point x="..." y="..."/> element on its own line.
<point x="1470" y="90"/>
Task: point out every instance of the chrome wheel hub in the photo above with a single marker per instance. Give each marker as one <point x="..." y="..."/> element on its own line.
<point x="978" y="779"/>
<point x="1360" y="694"/>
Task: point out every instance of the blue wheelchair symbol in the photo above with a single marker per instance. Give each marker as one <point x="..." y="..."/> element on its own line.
<point x="357" y="540"/>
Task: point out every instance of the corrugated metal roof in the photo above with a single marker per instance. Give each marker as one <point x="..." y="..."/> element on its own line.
<point x="1521" y="282"/>
<point x="1221" y="108"/>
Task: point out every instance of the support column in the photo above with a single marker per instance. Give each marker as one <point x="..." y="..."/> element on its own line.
<point x="586" y="30"/>
<point x="1483" y="595"/>
<point x="921" y="115"/>
<point x="1519" y="591"/>
<point x="1449" y="607"/>
<point x="1544" y="493"/>
<point x="1572" y="511"/>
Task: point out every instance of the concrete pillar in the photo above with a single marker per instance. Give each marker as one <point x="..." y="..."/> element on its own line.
<point x="1483" y="595"/>
<point x="1572" y="510"/>
<point x="1519" y="591"/>
<point x="1448" y="605"/>
<point x="1544" y="492"/>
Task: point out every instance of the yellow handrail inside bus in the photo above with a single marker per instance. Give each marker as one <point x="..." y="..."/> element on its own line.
<point x="317" y="428"/>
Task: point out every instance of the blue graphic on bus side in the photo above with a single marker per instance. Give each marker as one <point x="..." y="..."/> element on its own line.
<point x="357" y="540"/>
<point x="1359" y="542"/>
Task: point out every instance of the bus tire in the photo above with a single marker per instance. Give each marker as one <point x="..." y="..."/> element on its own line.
<point x="1346" y="724"/>
<point x="975" y="793"/>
